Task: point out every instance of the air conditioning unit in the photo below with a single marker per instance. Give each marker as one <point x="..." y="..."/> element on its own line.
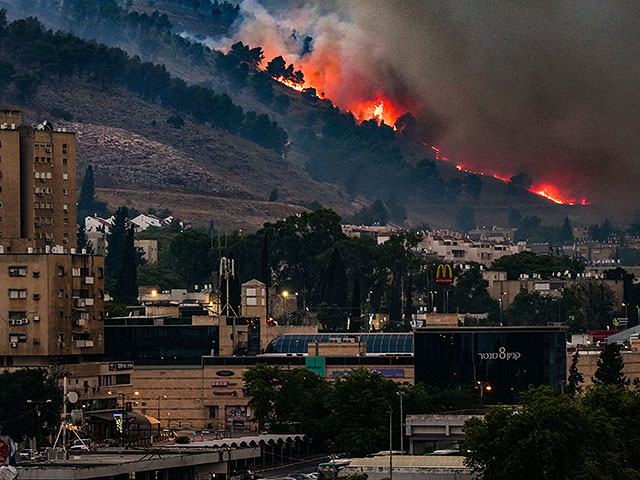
<point x="12" y="322"/>
<point x="88" y="343"/>
<point x="36" y="318"/>
<point x="25" y="321"/>
<point x="13" y="344"/>
<point x="18" y="322"/>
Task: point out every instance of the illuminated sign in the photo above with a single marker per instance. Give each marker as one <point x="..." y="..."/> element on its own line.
<point x="501" y="354"/>
<point x="117" y="366"/>
<point x="444" y="274"/>
<point x="225" y="373"/>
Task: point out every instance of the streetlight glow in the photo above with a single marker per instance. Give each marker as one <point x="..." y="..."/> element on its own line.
<point x="285" y="293"/>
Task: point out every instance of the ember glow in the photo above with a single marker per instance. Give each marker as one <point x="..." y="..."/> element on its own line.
<point x="545" y="190"/>
<point x="382" y="110"/>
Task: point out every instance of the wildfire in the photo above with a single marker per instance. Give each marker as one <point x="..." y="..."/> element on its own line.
<point x="382" y="110"/>
<point x="545" y="190"/>
<point x="296" y="86"/>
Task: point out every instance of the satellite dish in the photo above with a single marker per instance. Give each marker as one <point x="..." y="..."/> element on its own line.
<point x="72" y="397"/>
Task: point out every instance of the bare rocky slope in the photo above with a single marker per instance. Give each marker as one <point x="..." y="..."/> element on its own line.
<point x="198" y="172"/>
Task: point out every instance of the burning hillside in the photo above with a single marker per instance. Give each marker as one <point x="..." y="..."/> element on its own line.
<point x="498" y="85"/>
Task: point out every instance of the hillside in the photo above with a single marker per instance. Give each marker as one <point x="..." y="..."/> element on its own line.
<point x="213" y="162"/>
<point x="203" y="173"/>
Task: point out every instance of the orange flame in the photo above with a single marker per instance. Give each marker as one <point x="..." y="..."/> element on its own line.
<point x="296" y="86"/>
<point x="545" y="190"/>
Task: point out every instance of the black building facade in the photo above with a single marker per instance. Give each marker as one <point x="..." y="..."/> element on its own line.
<point x="503" y="361"/>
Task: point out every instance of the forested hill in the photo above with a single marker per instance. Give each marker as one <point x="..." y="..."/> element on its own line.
<point x="366" y="161"/>
<point x="144" y="130"/>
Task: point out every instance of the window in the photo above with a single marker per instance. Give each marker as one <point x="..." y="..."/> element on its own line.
<point x="60" y="271"/>
<point x="61" y="293"/>
<point x="36" y="296"/>
<point x="17" y="315"/>
<point x="65" y="176"/>
<point x="75" y="272"/>
<point x="64" y="161"/>
<point x="65" y="191"/>
<point x="17" y="271"/>
<point x="36" y="274"/>
<point x="64" y="148"/>
<point x="65" y="208"/>
<point x="213" y="411"/>
<point x="17" y="293"/>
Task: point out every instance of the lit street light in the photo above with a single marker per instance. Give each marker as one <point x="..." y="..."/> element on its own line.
<point x="484" y="386"/>
<point x="124" y="410"/>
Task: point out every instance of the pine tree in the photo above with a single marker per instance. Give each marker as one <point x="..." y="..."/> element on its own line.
<point x="610" y="367"/>
<point x="116" y="241"/>
<point x="566" y="233"/>
<point x="83" y="241"/>
<point x="86" y="199"/>
<point x="126" y="288"/>
<point x="265" y="270"/>
<point x="576" y="378"/>
<point x="356" y="311"/>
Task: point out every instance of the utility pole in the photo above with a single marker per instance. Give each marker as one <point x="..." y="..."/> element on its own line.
<point x="401" y="424"/>
<point x="64" y="413"/>
<point x="390" y="444"/>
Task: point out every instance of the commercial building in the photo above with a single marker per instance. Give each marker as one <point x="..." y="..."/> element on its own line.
<point x="501" y="361"/>
<point x="209" y="394"/>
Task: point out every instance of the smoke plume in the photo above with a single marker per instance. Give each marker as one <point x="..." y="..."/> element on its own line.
<point x="543" y="88"/>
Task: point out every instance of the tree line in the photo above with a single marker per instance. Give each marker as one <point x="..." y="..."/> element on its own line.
<point x="348" y="414"/>
<point x="589" y="433"/>
<point x="32" y="54"/>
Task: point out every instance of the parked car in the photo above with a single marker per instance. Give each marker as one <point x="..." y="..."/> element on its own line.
<point x="83" y="445"/>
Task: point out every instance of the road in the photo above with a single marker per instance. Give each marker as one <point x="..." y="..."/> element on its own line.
<point x="306" y="467"/>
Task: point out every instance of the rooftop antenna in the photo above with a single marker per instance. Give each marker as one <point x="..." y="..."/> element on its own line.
<point x="227" y="272"/>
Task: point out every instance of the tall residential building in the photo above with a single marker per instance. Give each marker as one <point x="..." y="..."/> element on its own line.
<point x="38" y="186"/>
<point x="51" y="306"/>
<point x="51" y="296"/>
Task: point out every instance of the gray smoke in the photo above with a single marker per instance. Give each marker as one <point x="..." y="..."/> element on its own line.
<point x="545" y="88"/>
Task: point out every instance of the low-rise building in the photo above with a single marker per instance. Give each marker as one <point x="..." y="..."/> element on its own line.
<point x="455" y="247"/>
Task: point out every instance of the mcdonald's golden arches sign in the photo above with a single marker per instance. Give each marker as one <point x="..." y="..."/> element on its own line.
<point x="444" y="274"/>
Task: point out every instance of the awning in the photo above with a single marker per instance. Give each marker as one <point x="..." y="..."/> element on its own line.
<point x="152" y="420"/>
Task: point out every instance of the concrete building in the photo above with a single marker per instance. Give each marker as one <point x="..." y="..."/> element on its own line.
<point x="454" y="247"/>
<point x="37" y="186"/>
<point x="380" y="233"/>
<point x="51" y="297"/>
<point x="504" y="290"/>
<point x="435" y="432"/>
<point x="50" y="305"/>
<point x="149" y="249"/>
<point x="410" y="467"/>
<point x="185" y="386"/>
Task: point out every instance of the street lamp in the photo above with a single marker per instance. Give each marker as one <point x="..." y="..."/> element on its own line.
<point x="626" y="306"/>
<point x="136" y="393"/>
<point x="38" y="407"/>
<point x="159" y="398"/>
<point x="285" y="295"/>
<point x="484" y="386"/>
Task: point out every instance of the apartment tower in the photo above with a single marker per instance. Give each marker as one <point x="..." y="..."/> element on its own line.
<point x="51" y="295"/>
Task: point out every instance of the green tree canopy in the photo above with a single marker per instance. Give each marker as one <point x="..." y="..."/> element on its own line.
<point x="610" y="367"/>
<point x="552" y="437"/>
